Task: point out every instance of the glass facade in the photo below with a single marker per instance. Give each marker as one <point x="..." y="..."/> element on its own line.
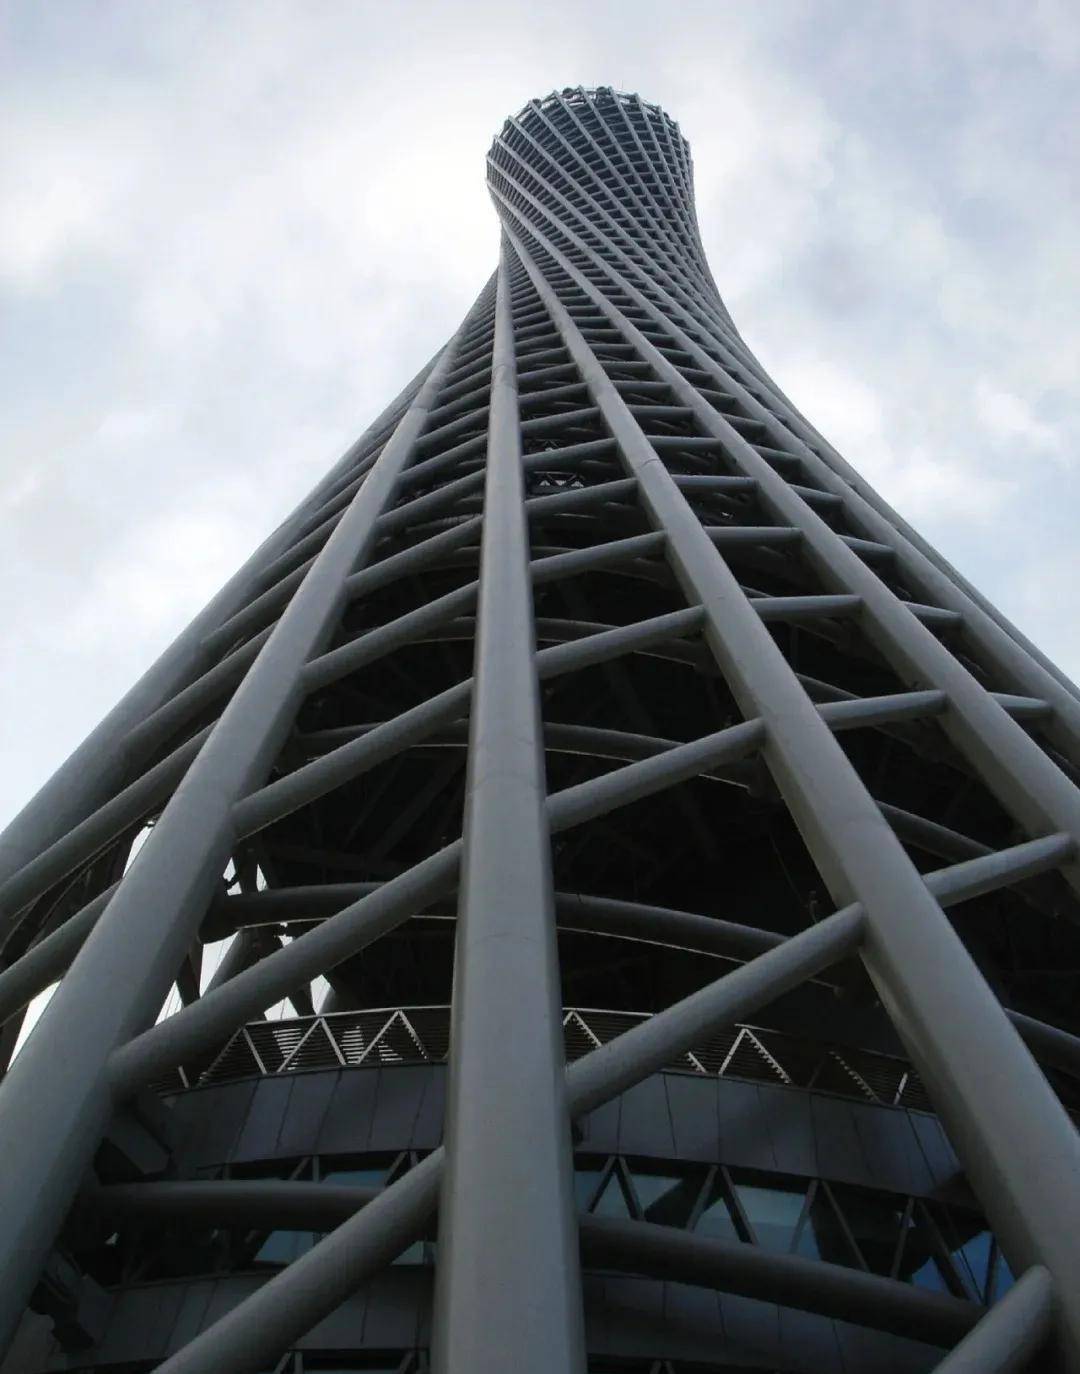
<point x="942" y="1247"/>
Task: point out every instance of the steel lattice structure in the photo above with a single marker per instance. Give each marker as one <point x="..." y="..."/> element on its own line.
<point x="594" y="674"/>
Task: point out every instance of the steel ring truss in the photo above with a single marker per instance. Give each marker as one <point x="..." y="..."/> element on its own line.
<point x="595" y="435"/>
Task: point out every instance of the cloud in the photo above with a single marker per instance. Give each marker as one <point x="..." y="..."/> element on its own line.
<point x="57" y="202"/>
<point x="1034" y="599"/>
<point x="1009" y="420"/>
<point x="924" y="481"/>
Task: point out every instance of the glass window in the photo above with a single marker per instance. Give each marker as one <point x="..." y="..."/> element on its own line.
<point x="976" y="1254"/>
<point x="970" y="1245"/>
<point x="356" y="1178"/>
<point x="666" y="1196"/>
<point x="282" y="1247"/>
<point x="929" y="1274"/>
<point x="922" y="1261"/>
<point x="612" y="1201"/>
<point x="357" y="1171"/>
<point x="1003" y="1275"/>
<point x="822" y="1235"/>
<point x="717" y="1218"/>
<point x="772" y="1208"/>
<point x="586" y="1182"/>
<point x="588" y="1171"/>
<point x="874" y="1219"/>
<point x="420" y="1252"/>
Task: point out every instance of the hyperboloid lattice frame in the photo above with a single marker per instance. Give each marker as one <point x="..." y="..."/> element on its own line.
<point x="588" y="612"/>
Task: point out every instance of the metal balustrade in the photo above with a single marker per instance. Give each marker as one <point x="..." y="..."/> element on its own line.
<point x="390" y="1036"/>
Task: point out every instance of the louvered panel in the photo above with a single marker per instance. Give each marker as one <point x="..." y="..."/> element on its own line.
<point x="315" y="1051"/>
<point x="577" y="1038"/>
<point x="432" y="1027"/>
<point x="237" y="1060"/>
<point x="798" y="1057"/>
<point x="275" y="1041"/>
<point x="882" y="1075"/>
<point x="747" y="1059"/>
<point x="915" y="1095"/>
<point x="714" y="1054"/>
<point x="172" y="1082"/>
<point x="836" y="1076"/>
<point x="356" y="1033"/>
<point x="395" y="1044"/>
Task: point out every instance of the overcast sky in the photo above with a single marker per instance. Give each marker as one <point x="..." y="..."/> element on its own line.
<point x="230" y="232"/>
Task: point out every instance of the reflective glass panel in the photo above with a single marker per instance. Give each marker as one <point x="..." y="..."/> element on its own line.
<point x="822" y="1235"/>
<point x="1003" y="1276"/>
<point x="773" y="1209"/>
<point x="359" y="1171"/>
<point x="356" y="1178"/>
<point x="667" y="1197"/>
<point x="585" y="1185"/>
<point x="972" y="1259"/>
<point x="928" y="1275"/>
<point x="716" y="1218"/>
<point x="921" y="1261"/>
<point x="874" y="1219"/>
<point x="612" y="1202"/>
<point x="282" y="1247"/>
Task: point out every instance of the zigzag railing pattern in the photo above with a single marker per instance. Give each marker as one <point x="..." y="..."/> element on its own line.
<point x="421" y="1035"/>
<point x="593" y="658"/>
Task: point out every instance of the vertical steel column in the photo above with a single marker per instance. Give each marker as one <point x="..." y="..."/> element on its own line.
<point x="946" y="1015"/>
<point x="56" y="1100"/>
<point x="508" y="1288"/>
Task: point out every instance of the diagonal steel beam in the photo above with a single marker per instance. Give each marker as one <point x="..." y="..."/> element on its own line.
<point x="98" y="766"/>
<point x="290" y="1304"/>
<point x="1011" y="1334"/>
<point x="923" y="973"/>
<point x="57" y="1097"/>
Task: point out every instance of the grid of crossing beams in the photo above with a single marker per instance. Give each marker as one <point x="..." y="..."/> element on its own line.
<point x="600" y="359"/>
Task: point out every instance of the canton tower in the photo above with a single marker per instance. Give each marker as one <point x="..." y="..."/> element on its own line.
<point x="595" y="891"/>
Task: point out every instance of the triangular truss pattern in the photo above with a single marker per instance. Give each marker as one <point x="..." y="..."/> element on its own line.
<point x="590" y="673"/>
<point x="421" y="1035"/>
